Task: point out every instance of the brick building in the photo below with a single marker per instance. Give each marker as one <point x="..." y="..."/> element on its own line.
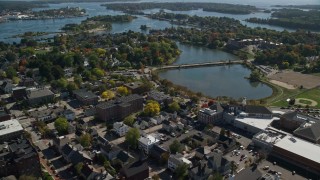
<point x="120" y="108"/>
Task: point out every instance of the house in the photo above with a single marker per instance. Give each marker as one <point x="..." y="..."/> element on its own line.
<point x="86" y="97"/>
<point x="157" y="151"/>
<point x="202" y="152"/>
<point x="46" y="115"/>
<point x="60" y="141"/>
<point x="27" y="82"/>
<point x="91" y="173"/>
<point x="37" y="96"/>
<point x="135" y="87"/>
<point x="4" y="116"/>
<point x="120" y="128"/>
<point x="160" y="97"/>
<point x="125" y="157"/>
<point x="119" y="108"/>
<point x="82" y="125"/>
<point x="6" y="86"/>
<point x="74" y="155"/>
<point x="218" y="163"/>
<point x="135" y="171"/>
<point x="176" y="160"/>
<point x="10" y="129"/>
<point x="68" y="72"/>
<point x="226" y="144"/>
<point x="141" y="124"/>
<point x="293" y="120"/>
<point x="19" y="157"/>
<point x="146" y="143"/>
<point x="201" y="171"/>
<point x="309" y="131"/>
<point x="168" y="126"/>
<point x="69" y="114"/>
<point x="110" y="150"/>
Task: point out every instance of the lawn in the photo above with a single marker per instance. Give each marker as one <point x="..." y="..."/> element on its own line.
<point x="313" y="94"/>
<point x="305" y="101"/>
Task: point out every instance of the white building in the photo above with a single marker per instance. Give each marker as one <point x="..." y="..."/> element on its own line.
<point x="177" y="159"/>
<point x="267" y="138"/>
<point x="120" y="128"/>
<point x="10" y="129"/>
<point x="146" y="143"/>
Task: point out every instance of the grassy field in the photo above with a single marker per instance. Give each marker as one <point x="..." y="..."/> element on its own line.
<point x="313" y="94"/>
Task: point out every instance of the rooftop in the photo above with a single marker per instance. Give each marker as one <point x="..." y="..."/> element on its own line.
<point x="299" y="117"/>
<point x="300" y="147"/>
<point x="158" y="96"/>
<point x="120" y="101"/>
<point x="134" y="85"/>
<point x="257" y="122"/>
<point x="208" y="111"/>
<point x="256" y="109"/>
<point x="309" y="130"/>
<point x="10" y="126"/>
<point x="150" y="139"/>
<point x="36" y="93"/>
<point x="84" y="94"/>
<point x="270" y="136"/>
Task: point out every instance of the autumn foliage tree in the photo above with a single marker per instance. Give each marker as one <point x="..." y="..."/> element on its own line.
<point x="152" y="108"/>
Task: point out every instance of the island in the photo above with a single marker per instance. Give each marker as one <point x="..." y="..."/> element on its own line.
<point x="292" y="18"/>
<point x="186" y="6"/>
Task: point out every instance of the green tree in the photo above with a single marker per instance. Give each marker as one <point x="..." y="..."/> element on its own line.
<point x="123" y="91"/>
<point x="215" y="176"/>
<point x="61" y="125"/>
<point x="174" y="106"/>
<point x="11" y="72"/>
<point x="155" y="177"/>
<point x="129" y="120"/>
<point x="152" y="108"/>
<point x="108" y="95"/>
<point x="222" y="132"/>
<point x="181" y="171"/>
<point x="85" y="140"/>
<point x="175" y="147"/>
<point x="132" y="137"/>
<point x="255" y="76"/>
<point x="79" y="167"/>
<point x="98" y="72"/>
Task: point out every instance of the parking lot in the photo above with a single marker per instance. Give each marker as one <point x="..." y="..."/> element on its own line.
<point x="285" y="173"/>
<point x="240" y="156"/>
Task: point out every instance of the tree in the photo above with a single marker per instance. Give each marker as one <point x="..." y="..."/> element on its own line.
<point x="222" y="132"/>
<point x="174" y="106"/>
<point x="79" y="167"/>
<point x="123" y="91"/>
<point x="132" y="137"/>
<point x="175" y="147"/>
<point x="234" y="167"/>
<point x="255" y="76"/>
<point x="98" y="72"/>
<point x="129" y="120"/>
<point x="292" y="101"/>
<point x="152" y="108"/>
<point x="164" y="157"/>
<point x="155" y="177"/>
<point x="181" y="171"/>
<point x="11" y="72"/>
<point x="85" y="140"/>
<point x="108" y="95"/>
<point x="216" y="176"/>
<point x="61" y="125"/>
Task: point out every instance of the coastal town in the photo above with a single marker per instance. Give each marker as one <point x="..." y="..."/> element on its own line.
<point x="90" y="104"/>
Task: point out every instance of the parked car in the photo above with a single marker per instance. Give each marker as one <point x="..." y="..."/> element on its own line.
<point x="265" y="167"/>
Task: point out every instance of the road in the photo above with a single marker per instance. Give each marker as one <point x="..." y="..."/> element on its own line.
<point x="147" y="131"/>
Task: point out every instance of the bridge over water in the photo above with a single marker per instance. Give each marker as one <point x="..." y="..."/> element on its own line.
<point x="217" y="63"/>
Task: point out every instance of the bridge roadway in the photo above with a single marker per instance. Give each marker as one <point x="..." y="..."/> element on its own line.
<point x="217" y="63"/>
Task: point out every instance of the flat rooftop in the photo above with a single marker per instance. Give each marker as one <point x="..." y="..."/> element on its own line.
<point x="150" y="139"/>
<point x="257" y="122"/>
<point x="10" y="126"/>
<point x="270" y="136"/>
<point x="300" y="147"/>
<point x="208" y="111"/>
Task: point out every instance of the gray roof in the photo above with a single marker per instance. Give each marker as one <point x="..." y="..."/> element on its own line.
<point x="134" y="85"/>
<point x="257" y="109"/>
<point x="309" y="130"/>
<point x="36" y="93"/>
<point x="83" y="93"/>
<point x="134" y="168"/>
<point x="299" y="117"/>
<point x="158" y="96"/>
<point x="123" y="101"/>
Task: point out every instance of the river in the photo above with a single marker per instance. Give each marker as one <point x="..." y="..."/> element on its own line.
<point x="217" y="80"/>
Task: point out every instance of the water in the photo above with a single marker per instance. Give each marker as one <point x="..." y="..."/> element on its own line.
<point x="7" y="30"/>
<point x="194" y="54"/>
<point x="218" y="81"/>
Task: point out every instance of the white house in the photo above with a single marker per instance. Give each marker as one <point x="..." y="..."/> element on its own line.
<point x="177" y="159"/>
<point x="146" y="143"/>
<point x="120" y="128"/>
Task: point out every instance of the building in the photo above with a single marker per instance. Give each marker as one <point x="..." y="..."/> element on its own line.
<point x="6" y="86"/>
<point x="169" y="126"/>
<point x="176" y="160"/>
<point x="120" y="108"/>
<point x="209" y="116"/>
<point x="309" y="131"/>
<point x="293" y="120"/>
<point x="157" y="151"/>
<point x="19" y="93"/>
<point x="110" y="150"/>
<point x="4" y="116"/>
<point x="69" y="114"/>
<point x="267" y="138"/>
<point x="135" y="171"/>
<point x="47" y="115"/>
<point x="298" y="152"/>
<point x="10" y="129"/>
<point x="27" y="82"/>
<point x="74" y="155"/>
<point x="19" y="157"/>
<point x="218" y="163"/>
<point x="86" y="97"/>
<point x="37" y="96"/>
<point x="89" y="172"/>
<point x="201" y="152"/>
<point x="120" y="128"/>
<point x="146" y="143"/>
<point x="135" y="87"/>
<point x="201" y="171"/>
<point x="160" y="97"/>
